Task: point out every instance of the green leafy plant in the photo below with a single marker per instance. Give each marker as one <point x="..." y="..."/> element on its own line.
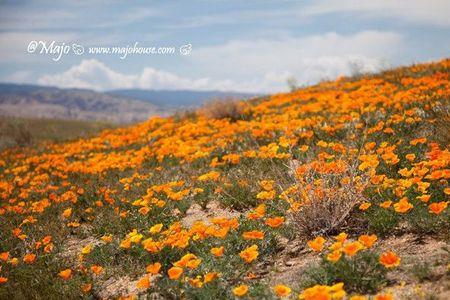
<point x="361" y="273"/>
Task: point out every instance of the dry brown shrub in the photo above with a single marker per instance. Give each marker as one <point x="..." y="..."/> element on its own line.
<point x="184" y="114"/>
<point x="327" y="200"/>
<point x="440" y="113"/>
<point x="224" y="109"/>
<point x="14" y="132"/>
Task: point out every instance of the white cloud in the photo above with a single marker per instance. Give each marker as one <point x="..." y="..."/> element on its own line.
<point x="434" y="12"/>
<point x="93" y="74"/>
<point x="254" y="66"/>
<point x="89" y="74"/>
<point x="264" y="64"/>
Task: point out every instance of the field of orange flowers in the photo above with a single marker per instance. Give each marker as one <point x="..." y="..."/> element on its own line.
<point x="335" y="191"/>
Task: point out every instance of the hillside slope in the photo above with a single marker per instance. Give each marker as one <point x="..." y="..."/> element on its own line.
<point x="19" y="132"/>
<point x="335" y="190"/>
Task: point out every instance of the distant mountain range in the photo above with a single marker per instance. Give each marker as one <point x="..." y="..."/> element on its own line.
<point x="118" y="106"/>
<point x="177" y="98"/>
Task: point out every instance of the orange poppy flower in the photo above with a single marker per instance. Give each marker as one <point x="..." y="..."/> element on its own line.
<point x="323" y="292"/>
<point x="66" y="213"/>
<point x="334" y="256"/>
<point x="383" y="297"/>
<point x="175" y="272"/>
<point x="260" y="209"/>
<point x="86" y="249"/>
<point x="156" y="228"/>
<point x="240" y="290"/>
<point x="365" y="206"/>
<point x="217" y="251"/>
<point x="341" y="237"/>
<point x="335" y="246"/>
<point x="107" y="238"/>
<point x="317" y="244"/>
<point x="144" y="282"/>
<point x="253" y="235"/>
<point x="14" y="261"/>
<point x="282" y="290"/>
<point x="403" y="206"/>
<point x="368" y="240"/>
<point x="210" y="277"/>
<point x="304" y="148"/>
<point x="183" y="261"/>
<point x="4" y="256"/>
<point x="65" y="274"/>
<point x="196" y="282"/>
<point x="267" y="184"/>
<point x="424" y="198"/>
<point x="352" y="248"/>
<point x="29" y="258"/>
<point x="249" y="254"/>
<point x="437" y="208"/>
<point x="213" y="175"/>
<point x="358" y="297"/>
<point x="193" y="263"/>
<point x="410" y="156"/>
<point x="47" y="239"/>
<point x="389" y="259"/>
<point x="386" y="204"/>
<point x="266" y="195"/>
<point x="153" y="268"/>
<point x="274" y="222"/>
<point x="86" y="288"/>
<point x="96" y="269"/>
<point x="144" y="210"/>
<point x="126" y="244"/>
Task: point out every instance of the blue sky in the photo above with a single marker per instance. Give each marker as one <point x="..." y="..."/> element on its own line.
<point x="248" y="45"/>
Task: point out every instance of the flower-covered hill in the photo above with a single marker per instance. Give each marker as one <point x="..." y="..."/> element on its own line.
<point x="338" y="190"/>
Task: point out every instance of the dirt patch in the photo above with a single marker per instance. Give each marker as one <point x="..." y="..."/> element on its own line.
<point x="289" y="266"/>
<point x="414" y="245"/>
<point x="428" y="290"/>
<point x="118" y="286"/>
<point x="293" y="260"/>
<point x="72" y="248"/>
<point x="213" y="210"/>
<point x="123" y="286"/>
<point x="289" y="270"/>
<point x="416" y="251"/>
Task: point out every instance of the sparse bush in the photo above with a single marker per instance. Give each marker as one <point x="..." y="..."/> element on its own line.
<point x="292" y="83"/>
<point x="224" y="109"/>
<point x="441" y="122"/>
<point x="327" y="202"/>
<point x="16" y="131"/>
<point x="184" y="115"/>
